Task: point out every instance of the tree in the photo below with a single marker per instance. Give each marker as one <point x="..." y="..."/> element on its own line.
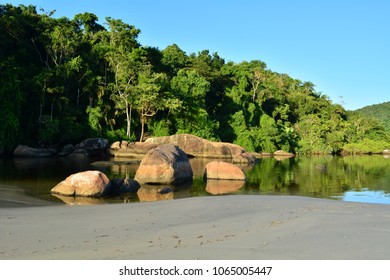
<point x="191" y="89"/>
<point x="124" y="58"/>
<point x="10" y="105"/>
<point x="80" y="79"/>
<point x="173" y="59"/>
<point x="149" y="98"/>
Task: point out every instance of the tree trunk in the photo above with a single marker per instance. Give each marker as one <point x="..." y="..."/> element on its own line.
<point x="78" y="99"/>
<point x="128" y="119"/>
<point x="142" y="128"/>
<point x="52" y="110"/>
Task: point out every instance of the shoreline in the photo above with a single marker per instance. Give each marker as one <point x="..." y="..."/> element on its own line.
<point x="15" y="197"/>
<point x="218" y="227"/>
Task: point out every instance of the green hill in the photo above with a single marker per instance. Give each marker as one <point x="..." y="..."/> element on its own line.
<point x="380" y="112"/>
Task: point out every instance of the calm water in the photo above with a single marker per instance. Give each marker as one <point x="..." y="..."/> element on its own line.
<point x="359" y="179"/>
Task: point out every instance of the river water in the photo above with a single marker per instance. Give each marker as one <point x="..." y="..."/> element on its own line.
<point x="363" y="179"/>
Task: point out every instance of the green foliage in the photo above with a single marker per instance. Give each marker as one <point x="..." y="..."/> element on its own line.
<point x="366" y="146"/>
<point x="10" y="105"/>
<point x="160" y="128"/>
<point x="118" y="134"/>
<point x="95" y="115"/>
<point x="268" y="134"/>
<point x="379" y="112"/>
<point x="49" y="130"/>
<point x="83" y="79"/>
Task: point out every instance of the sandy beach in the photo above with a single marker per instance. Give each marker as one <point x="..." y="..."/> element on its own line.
<point x="215" y="227"/>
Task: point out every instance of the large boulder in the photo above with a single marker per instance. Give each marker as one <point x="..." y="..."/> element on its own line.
<point x="223" y="171"/>
<point x="26" y="151"/>
<point x="87" y="183"/>
<point x="130" y="149"/>
<point x="198" y="147"/>
<point x="94" y="146"/>
<point x="166" y="164"/>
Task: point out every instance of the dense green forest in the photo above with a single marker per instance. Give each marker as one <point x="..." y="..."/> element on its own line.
<point x="379" y="112"/>
<point x="63" y="80"/>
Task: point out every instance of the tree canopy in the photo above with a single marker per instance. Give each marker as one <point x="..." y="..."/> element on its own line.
<point x="63" y="80"/>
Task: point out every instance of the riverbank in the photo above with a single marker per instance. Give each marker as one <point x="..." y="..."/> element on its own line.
<point x="219" y="227"/>
<point x="13" y="196"/>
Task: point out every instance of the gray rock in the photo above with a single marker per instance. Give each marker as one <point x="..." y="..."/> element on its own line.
<point x="121" y="186"/>
<point x="26" y="151"/>
<point x="94" y="146"/>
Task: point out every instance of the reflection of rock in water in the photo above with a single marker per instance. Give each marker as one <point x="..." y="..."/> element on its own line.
<point x="119" y="168"/>
<point x="321" y="167"/>
<point x="155" y="193"/>
<point x="223" y="186"/>
<point x="282" y="155"/>
<point x="78" y="200"/>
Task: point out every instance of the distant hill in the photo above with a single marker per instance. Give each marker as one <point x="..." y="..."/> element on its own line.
<point x="381" y="112"/>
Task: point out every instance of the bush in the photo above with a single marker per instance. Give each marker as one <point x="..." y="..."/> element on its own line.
<point x="160" y="128"/>
<point x="366" y="146"/>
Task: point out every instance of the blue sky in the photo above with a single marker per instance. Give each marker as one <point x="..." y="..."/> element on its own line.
<point x="340" y="46"/>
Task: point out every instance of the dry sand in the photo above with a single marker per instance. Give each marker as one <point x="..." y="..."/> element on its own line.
<point x="218" y="227"/>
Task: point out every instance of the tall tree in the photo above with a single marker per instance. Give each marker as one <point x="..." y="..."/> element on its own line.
<point x="150" y="98"/>
<point x="124" y="57"/>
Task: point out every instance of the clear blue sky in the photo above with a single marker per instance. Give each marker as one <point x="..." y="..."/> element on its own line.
<point x="342" y="46"/>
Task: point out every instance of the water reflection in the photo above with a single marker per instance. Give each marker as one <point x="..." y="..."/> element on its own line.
<point x="72" y="200"/>
<point x="361" y="178"/>
<point x="223" y="186"/>
<point x="322" y="176"/>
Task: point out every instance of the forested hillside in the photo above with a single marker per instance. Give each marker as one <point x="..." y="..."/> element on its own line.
<point x="379" y="112"/>
<point x="63" y="80"/>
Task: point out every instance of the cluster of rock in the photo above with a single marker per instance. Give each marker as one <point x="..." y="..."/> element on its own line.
<point x="127" y="149"/>
<point x="88" y="147"/>
<point x="165" y="165"/>
<point x="165" y="162"/>
<point x="93" y="183"/>
<point x="193" y="146"/>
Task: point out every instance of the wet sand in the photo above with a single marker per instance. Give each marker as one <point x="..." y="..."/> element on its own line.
<point x="217" y="227"/>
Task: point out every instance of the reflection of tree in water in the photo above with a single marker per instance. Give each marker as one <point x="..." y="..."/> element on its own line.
<point x="320" y="176"/>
